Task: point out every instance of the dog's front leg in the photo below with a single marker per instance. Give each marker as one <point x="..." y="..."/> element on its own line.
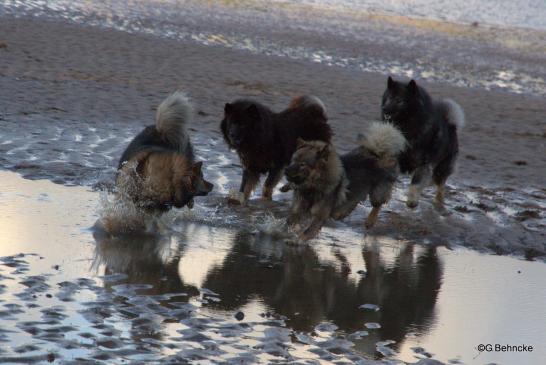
<point x="320" y="215"/>
<point x="296" y="210"/>
<point x="420" y="179"/>
<point x="372" y="217"/>
<point x="248" y="183"/>
<point x="273" y="178"/>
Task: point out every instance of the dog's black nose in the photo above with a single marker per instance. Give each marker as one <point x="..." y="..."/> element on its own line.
<point x="289" y="171"/>
<point x="235" y="139"/>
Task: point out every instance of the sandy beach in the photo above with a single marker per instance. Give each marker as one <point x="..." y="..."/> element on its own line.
<point x="112" y="80"/>
<point x="71" y="99"/>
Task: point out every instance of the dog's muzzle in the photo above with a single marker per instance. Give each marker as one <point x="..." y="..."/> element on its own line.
<point x="235" y="140"/>
<point x="207" y="188"/>
<point x="291" y="173"/>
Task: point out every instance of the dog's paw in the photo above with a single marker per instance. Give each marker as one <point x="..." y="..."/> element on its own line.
<point x="413" y="197"/>
<point x="292" y="220"/>
<point x="369" y="223"/>
<point x="412" y="204"/>
<point x="339" y="216"/>
<point x="232" y="201"/>
<point x="285" y="188"/>
<point x="190" y="204"/>
<point x="441" y="208"/>
<point x="303" y="237"/>
<point x="236" y="198"/>
<point x="307" y="235"/>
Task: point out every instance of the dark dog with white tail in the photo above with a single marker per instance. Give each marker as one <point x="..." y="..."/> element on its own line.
<point x="431" y="128"/>
<point x="328" y="185"/>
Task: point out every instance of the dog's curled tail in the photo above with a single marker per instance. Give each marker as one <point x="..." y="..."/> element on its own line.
<point x="172" y="116"/>
<point x="384" y="140"/>
<point x="454" y="114"/>
<point x="309" y="102"/>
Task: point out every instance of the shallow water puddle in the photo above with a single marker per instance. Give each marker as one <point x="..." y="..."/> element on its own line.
<point x="226" y="294"/>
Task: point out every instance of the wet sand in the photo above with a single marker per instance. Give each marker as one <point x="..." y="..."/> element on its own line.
<point x="112" y="81"/>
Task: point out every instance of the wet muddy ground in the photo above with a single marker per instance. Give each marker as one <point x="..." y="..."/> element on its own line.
<point x="359" y="37"/>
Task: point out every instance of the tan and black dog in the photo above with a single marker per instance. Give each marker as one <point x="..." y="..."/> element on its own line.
<point x="157" y="170"/>
<point x="327" y="185"/>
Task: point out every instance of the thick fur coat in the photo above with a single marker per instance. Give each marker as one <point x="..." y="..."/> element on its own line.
<point x="266" y="140"/>
<point x="328" y="185"/>
<point x="431" y="128"/>
<point x="157" y="170"/>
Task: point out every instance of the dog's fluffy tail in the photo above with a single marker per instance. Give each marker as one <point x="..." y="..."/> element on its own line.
<point x="311" y="102"/>
<point x="384" y="140"/>
<point x="454" y="114"/>
<point x="172" y="116"/>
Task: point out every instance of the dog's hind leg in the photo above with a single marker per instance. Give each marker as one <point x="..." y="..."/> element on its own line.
<point x="273" y="178"/>
<point x="440" y="174"/>
<point x="342" y="211"/>
<point x="378" y="196"/>
<point x="419" y="181"/>
<point x="445" y="167"/>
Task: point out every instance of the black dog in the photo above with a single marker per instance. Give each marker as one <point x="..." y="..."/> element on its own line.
<point x="265" y="140"/>
<point x="430" y="127"/>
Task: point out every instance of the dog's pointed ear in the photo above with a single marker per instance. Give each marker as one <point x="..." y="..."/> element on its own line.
<point x="196" y="167"/>
<point x="323" y="153"/>
<point x="412" y="87"/>
<point x="300" y="143"/>
<point x="253" y="111"/>
<point x="227" y="108"/>
<point x="390" y="83"/>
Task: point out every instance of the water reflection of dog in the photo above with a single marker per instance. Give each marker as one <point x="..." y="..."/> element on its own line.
<point x="151" y="260"/>
<point x="145" y="259"/>
<point x="308" y="291"/>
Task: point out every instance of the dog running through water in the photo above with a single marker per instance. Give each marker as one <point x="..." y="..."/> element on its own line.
<point x="157" y="170"/>
<point x="328" y="185"/>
